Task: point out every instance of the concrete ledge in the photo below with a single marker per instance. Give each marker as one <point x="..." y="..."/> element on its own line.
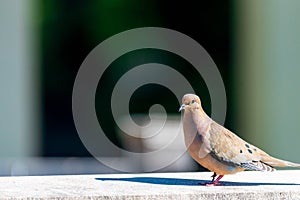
<point x="245" y="185"/>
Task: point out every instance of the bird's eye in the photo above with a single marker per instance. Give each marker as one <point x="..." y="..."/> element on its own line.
<point x="193" y="101"/>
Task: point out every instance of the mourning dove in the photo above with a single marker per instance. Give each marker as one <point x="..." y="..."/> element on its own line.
<point x="217" y="148"/>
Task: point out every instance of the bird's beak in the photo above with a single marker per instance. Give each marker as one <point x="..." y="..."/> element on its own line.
<point x="181" y="107"/>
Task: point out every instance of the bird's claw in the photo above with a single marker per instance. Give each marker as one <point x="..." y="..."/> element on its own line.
<point x="213" y="184"/>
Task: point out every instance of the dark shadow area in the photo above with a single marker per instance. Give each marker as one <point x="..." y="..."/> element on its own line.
<point x="185" y="182"/>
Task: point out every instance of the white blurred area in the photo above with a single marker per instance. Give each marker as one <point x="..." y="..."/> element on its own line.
<point x="159" y="141"/>
<point x="51" y="166"/>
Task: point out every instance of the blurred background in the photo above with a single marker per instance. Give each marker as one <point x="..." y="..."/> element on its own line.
<point x="255" y="45"/>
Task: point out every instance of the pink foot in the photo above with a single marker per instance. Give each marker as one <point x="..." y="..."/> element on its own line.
<point x="215" y="182"/>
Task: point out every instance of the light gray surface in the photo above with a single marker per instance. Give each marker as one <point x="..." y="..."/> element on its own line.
<point x="245" y="185"/>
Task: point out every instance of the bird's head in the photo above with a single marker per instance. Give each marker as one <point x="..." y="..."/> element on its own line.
<point x="190" y="102"/>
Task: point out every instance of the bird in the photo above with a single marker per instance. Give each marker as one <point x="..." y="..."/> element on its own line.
<point x="218" y="149"/>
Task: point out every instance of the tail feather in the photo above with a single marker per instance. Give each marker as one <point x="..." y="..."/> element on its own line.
<point x="275" y="162"/>
<point x="291" y="164"/>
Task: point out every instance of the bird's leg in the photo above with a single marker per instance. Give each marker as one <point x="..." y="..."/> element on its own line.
<point x="213" y="177"/>
<point x="215" y="182"/>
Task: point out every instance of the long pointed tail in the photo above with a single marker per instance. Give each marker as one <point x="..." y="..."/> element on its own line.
<point x="291" y="164"/>
<point x="275" y="162"/>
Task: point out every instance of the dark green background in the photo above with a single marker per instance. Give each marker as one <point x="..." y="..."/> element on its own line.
<point x="71" y="29"/>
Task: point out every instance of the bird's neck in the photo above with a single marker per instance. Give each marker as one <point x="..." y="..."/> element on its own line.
<point x="195" y="127"/>
<point x="198" y="114"/>
<point x="199" y="119"/>
<point x="202" y="120"/>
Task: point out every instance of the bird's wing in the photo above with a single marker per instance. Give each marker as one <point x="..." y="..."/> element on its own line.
<point x="227" y="147"/>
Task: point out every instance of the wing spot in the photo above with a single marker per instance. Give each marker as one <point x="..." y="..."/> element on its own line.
<point x="249" y="151"/>
<point x="241" y="151"/>
<point x="247" y="145"/>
